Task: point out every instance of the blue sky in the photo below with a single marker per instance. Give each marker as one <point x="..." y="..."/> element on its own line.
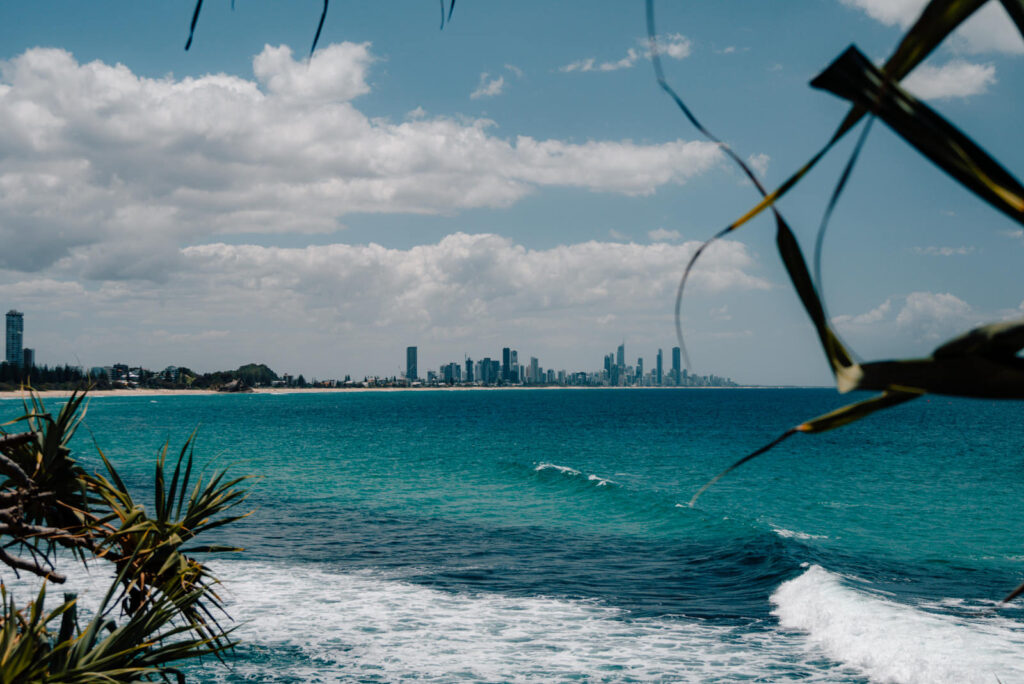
<point x="516" y="179"/>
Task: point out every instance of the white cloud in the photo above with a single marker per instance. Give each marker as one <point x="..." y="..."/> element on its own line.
<point x="990" y="29"/>
<point x="932" y="250"/>
<point x="337" y="73"/>
<point x="664" y="235"/>
<point x="1016" y="234"/>
<point x="515" y="70"/>
<point x="109" y="173"/>
<point x="673" y="45"/>
<point x="954" y="79"/>
<point x="444" y="283"/>
<point x="876" y="315"/>
<point x="934" y="315"/>
<point x="759" y="163"/>
<point x="488" y="87"/>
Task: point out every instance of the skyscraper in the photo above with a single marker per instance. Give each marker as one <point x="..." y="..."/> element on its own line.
<point x="639" y="380"/>
<point x="469" y="369"/>
<point x="506" y="364"/>
<point x="410" y="363"/>
<point x="15" y="335"/>
<point x="657" y="380"/>
<point x="620" y="356"/>
<point x="676" y="377"/>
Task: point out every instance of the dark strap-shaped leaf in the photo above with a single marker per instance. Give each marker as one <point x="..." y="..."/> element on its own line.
<point x="854" y="412"/>
<point x="319" y="28"/>
<point x="998" y="340"/>
<point x="938" y="20"/>
<point x="853" y="77"/>
<point x="796" y="267"/>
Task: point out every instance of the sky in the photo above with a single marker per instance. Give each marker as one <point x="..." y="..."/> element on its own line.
<point x="515" y="179"/>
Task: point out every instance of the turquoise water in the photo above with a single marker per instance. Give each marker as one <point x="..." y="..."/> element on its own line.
<point x="544" y="535"/>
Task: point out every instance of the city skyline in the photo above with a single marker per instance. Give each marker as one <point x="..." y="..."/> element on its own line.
<point x="504" y="369"/>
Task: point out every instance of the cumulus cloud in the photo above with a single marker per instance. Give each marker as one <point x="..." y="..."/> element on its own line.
<point x="673" y="45"/>
<point x="463" y="292"/>
<point x="954" y="79"/>
<point x="990" y="29"/>
<point x="934" y="315"/>
<point x="759" y="163"/>
<point x="105" y="169"/>
<point x="488" y="87"/>
<point x="927" y="316"/>
<point x="876" y="315"/>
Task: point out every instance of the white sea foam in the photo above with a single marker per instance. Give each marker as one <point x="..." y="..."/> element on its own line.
<point x="894" y="642"/>
<point x="790" y="534"/>
<point x="305" y="623"/>
<point x="560" y="468"/>
<point x="601" y="481"/>
<point x="369" y="627"/>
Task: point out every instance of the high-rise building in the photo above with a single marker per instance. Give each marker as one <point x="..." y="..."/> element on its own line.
<point x="410" y="364"/>
<point x="620" y="356"/>
<point x="657" y="378"/>
<point x="28" y="358"/>
<point x="676" y="377"/>
<point x="534" y="370"/>
<point x="514" y="373"/>
<point x="15" y="337"/>
<point x="639" y="380"/>
<point x="506" y="364"/>
<point x="469" y="369"/>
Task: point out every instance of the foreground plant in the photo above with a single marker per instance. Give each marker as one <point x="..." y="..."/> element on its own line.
<point x="160" y="609"/>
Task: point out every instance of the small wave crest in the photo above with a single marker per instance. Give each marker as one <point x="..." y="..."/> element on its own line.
<point x="566" y="470"/>
<point x="791" y="534"/>
<point x="597" y="480"/>
<point x="895" y="642"/>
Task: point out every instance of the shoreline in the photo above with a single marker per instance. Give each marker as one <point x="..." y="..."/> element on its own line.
<point x="63" y="394"/>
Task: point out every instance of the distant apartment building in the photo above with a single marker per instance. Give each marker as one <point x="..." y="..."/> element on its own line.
<point x="410" y="364"/>
<point x="676" y="365"/>
<point x="28" y="358"/>
<point x="658" y="375"/>
<point x="15" y="338"/>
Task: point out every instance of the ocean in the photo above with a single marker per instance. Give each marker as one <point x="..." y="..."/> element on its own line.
<point x="544" y="535"/>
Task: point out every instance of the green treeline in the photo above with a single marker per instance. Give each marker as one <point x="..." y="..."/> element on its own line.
<point x="121" y="376"/>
